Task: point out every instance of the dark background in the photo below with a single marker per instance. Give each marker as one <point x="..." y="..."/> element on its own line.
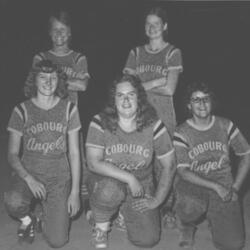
<point x="214" y="38"/>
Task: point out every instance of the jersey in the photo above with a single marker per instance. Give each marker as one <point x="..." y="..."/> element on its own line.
<point x="150" y="65"/>
<point x="74" y="64"/>
<point x="44" y="132"/>
<point x="206" y="152"/>
<point x="133" y="151"/>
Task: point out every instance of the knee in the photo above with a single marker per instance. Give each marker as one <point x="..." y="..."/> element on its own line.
<point x="108" y="191"/>
<point x="56" y="242"/>
<point x="13" y="201"/>
<point x="146" y="242"/>
<point x="230" y="245"/>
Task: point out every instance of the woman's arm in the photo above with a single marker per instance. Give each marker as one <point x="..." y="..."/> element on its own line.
<point x="243" y="169"/>
<point x="78" y="84"/>
<point x="74" y="161"/>
<point x="187" y="175"/>
<point x="36" y="187"/>
<point x="98" y="165"/>
<point x="168" y="163"/>
<point x="170" y="83"/>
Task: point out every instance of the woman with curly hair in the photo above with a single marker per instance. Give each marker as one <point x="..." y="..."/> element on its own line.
<point x="46" y="128"/>
<point x="120" y="145"/>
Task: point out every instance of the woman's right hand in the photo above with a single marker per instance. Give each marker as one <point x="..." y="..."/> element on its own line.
<point x="36" y="187"/>
<point x="224" y="193"/>
<point x="135" y="187"/>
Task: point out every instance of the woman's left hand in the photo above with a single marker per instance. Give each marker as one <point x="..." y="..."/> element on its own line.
<point x="146" y="203"/>
<point x="73" y="204"/>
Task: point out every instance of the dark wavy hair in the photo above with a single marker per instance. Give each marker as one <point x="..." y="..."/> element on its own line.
<point x="202" y="87"/>
<point x="46" y="66"/>
<point x="146" y="114"/>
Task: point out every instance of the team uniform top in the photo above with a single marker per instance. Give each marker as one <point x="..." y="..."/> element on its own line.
<point x="133" y="151"/>
<point x="150" y="65"/>
<point x="44" y="132"/>
<point x="206" y="152"/>
<point x="74" y="64"/>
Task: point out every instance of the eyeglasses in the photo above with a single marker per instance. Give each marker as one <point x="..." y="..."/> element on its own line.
<point x="198" y="100"/>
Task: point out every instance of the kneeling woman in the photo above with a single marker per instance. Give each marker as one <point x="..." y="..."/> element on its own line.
<point x="120" y="145"/>
<point x="46" y="128"/>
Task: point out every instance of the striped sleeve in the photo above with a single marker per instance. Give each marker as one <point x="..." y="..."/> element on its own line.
<point x="181" y="150"/>
<point x="130" y="66"/>
<point x="81" y="66"/>
<point x="95" y="136"/>
<point x="162" y="142"/>
<point x="237" y="141"/>
<point x="72" y="116"/>
<point x="174" y="59"/>
<point x="17" y="119"/>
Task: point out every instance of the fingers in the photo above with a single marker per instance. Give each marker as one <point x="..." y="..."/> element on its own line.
<point x="141" y="205"/>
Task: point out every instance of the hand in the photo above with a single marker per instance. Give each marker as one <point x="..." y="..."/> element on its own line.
<point x="73" y="204"/>
<point x="36" y="187"/>
<point x="235" y="195"/>
<point x="224" y="193"/>
<point x="145" y="204"/>
<point x="135" y="187"/>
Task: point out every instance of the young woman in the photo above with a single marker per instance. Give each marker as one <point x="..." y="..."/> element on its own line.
<point x="45" y="129"/>
<point x="120" y="145"/>
<point x="74" y="65"/>
<point x="206" y="185"/>
<point x="158" y="64"/>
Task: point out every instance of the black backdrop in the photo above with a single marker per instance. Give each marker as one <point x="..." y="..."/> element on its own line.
<point x="213" y="36"/>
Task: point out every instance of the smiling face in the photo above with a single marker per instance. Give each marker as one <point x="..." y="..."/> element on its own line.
<point x="126" y="100"/>
<point x="200" y="105"/>
<point x="154" y="27"/>
<point x="46" y="83"/>
<point x="60" y="33"/>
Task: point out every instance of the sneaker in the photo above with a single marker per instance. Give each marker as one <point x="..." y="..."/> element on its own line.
<point x="119" y="223"/>
<point x="26" y="233"/>
<point x="100" y="238"/>
<point x="169" y="220"/>
<point x="186" y="239"/>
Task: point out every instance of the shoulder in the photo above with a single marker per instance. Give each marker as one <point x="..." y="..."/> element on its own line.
<point x="96" y="122"/>
<point x="158" y="128"/>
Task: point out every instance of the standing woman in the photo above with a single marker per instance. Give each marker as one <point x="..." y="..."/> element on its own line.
<point x="120" y="145"/>
<point x="45" y="128"/>
<point x="158" y="64"/>
<point x="74" y="65"/>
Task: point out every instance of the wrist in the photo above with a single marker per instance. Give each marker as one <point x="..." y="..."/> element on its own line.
<point x="235" y="190"/>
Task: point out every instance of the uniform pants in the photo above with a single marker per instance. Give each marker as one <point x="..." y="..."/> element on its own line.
<point x="55" y="219"/>
<point x="225" y="218"/>
<point x="107" y="195"/>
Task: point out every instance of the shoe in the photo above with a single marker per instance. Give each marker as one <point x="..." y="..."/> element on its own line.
<point x="169" y="220"/>
<point x="186" y="239"/>
<point x="119" y="223"/>
<point x="38" y="225"/>
<point x="100" y="238"/>
<point x="26" y="233"/>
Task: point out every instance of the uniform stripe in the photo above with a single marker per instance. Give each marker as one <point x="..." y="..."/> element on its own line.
<point x="15" y="131"/>
<point x="72" y="109"/>
<point x="179" y="140"/>
<point x="164" y="155"/>
<point x="22" y="112"/>
<point x="78" y="57"/>
<point x="94" y="145"/>
<point x="232" y="131"/>
<point x="245" y="153"/>
<point x="171" y="51"/>
<point x="159" y="129"/>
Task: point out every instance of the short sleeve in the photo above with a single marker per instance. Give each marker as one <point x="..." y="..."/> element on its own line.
<point x="95" y="135"/>
<point x="130" y="66"/>
<point x="74" y="123"/>
<point x="82" y="66"/>
<point x="162" y="141"/>
<point x="237" y="141"/>
<point x="181" y="150"/>
<point x="17" y="120"/>
<point x="174" y="60"/>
